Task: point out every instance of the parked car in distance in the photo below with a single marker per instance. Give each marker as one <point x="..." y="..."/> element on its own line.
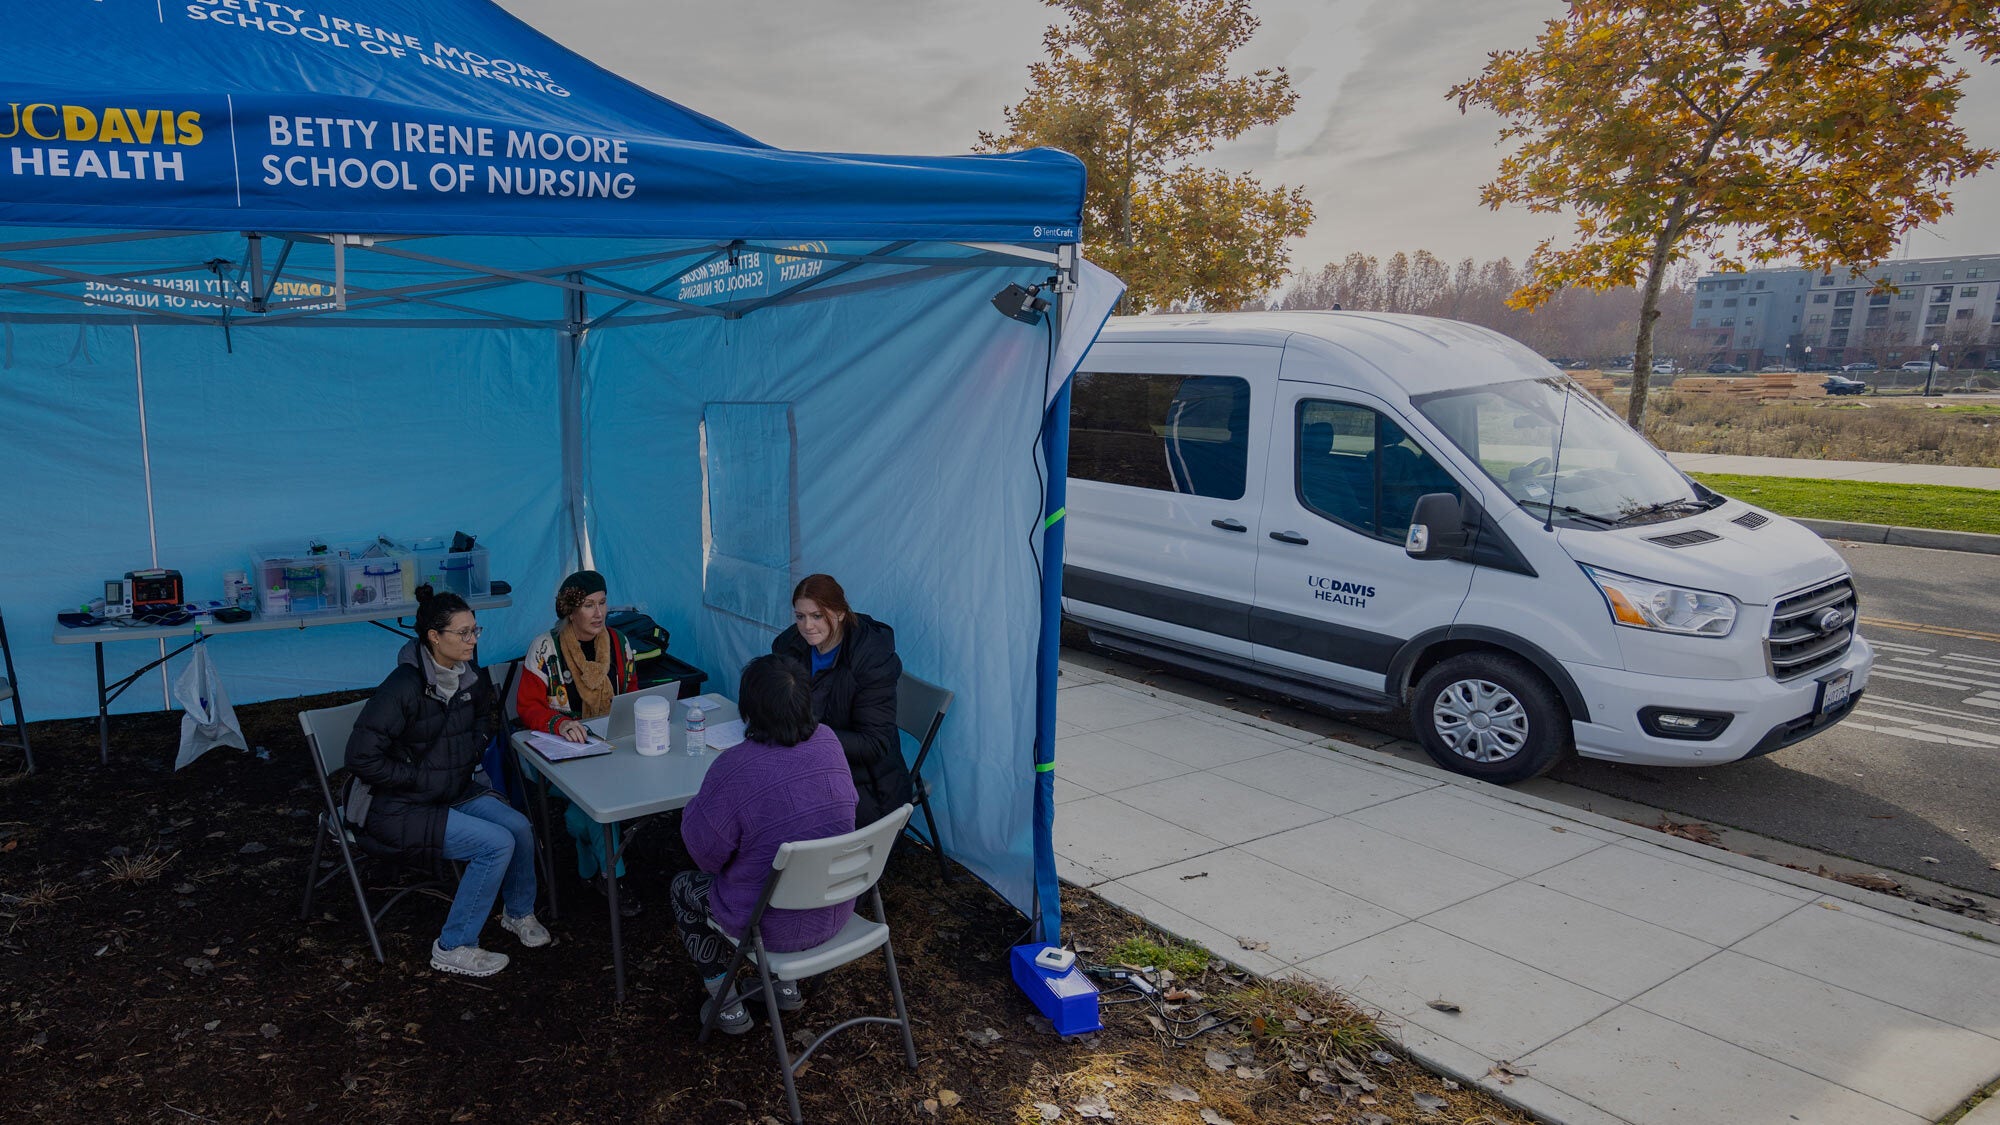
<point x="1724" y="369"/>
<point x="1841" y="385"/>
<point x="1920" y="366"/>
<point x="1815" y="366"/>
<point x="1777" y="367"/>
<point x="1866" y="366"/>
<point x="1993" y="364"/>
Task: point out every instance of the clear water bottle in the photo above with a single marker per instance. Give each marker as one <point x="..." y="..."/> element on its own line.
<point x="697" y="732"/>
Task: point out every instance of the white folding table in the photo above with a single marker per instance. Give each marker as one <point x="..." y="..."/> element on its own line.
<point x="613" y="789"/>
<point x="100" y="635"/>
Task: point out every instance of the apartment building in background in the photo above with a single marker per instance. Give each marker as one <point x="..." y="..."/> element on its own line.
<point x="1761" y="317"/>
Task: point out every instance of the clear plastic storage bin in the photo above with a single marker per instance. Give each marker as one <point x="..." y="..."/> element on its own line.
<point x="376" y="577"/>
<point x="464" y="573"/>
<point x="293" y="583"/>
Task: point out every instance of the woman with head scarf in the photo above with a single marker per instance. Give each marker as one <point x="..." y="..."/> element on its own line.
<point x="569" y="675"/>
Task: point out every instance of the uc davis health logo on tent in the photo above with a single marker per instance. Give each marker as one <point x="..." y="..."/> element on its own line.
<point x="60" y="141"/>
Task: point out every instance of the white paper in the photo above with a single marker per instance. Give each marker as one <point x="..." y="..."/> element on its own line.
<point x="721" y="736"/>
<point x="707" y="702"/>
<point x="559" y="749"/>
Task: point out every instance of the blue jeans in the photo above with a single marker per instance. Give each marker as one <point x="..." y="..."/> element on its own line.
<point x="499" y="850"/>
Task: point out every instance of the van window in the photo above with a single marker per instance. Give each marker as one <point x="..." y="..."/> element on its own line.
<point x="1359" y="468"/>
<point x="1175" y="433"/>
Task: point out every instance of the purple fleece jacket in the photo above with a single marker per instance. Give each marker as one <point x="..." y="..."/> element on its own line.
<point x="756" y="797"/>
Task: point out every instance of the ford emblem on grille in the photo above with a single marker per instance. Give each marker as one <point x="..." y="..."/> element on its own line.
<point x="1830" y="620"/>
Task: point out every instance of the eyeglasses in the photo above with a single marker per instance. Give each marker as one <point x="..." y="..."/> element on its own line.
<point x="470" y="633"/>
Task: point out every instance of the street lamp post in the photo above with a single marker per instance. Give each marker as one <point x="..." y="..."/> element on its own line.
<point x="1932" y="372"/>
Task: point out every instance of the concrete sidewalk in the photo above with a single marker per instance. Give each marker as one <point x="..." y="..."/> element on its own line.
<point x="1637" y="980"/>
<point x="1961" y="476"/>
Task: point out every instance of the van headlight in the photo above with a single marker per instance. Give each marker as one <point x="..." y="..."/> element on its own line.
<point x="1640" y="604"/>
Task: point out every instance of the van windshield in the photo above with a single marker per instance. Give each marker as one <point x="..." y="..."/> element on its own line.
<point x="1602" y="474"/>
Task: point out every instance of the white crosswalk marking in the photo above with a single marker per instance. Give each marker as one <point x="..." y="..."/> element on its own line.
<point x="1983" y="677"/>
<point x="1916" y="677"/>
<point x="1927" y="709"/>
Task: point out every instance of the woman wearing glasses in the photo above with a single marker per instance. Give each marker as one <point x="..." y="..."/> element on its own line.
<point x="570" y="674"/>
<point x="413" y="751"/>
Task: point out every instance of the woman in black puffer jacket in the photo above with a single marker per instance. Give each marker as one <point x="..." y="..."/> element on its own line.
<point x="415" y="745"/>
<point x="854" y="668"/>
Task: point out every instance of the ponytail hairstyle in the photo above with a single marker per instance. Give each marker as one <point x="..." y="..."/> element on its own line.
<point x="434" y="614"/>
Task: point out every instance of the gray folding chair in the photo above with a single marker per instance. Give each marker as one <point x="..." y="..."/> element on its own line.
<point x="327" y="731"/>
<point x="805" y="875"/>
<point x="506" y="675"/>
<point x="920" y="710"/>
<point x="9" y="693"/>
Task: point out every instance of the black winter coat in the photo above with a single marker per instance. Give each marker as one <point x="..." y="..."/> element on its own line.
<point x="418" y="754"/>
<point x="857" y="698"/>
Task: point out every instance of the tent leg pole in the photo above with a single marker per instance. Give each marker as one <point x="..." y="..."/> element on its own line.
<point x="571" y="388"/>
<point x="1055" y="447"/>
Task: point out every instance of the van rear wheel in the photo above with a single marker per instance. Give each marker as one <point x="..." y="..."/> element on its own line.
<point x="1490" y="716"/>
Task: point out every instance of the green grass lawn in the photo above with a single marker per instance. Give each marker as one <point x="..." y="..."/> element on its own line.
<point x="1899" y="505"/>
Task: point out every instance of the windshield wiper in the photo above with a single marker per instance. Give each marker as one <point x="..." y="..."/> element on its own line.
<point x="1656" y="509"/>
<point x="1569" y="510"/>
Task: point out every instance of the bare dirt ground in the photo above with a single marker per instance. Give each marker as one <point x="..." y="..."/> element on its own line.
<point x="155" y="971"/>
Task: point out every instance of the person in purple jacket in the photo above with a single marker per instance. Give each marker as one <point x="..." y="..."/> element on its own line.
<point x="787" y="780"/>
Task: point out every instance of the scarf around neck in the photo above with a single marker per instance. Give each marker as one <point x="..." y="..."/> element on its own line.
<point x="592" y="677"/>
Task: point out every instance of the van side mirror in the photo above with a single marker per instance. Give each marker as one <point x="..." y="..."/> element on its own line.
<point x="1437" y="528"/>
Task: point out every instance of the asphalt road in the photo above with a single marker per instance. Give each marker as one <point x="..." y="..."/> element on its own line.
<point x="1913" y="773"/>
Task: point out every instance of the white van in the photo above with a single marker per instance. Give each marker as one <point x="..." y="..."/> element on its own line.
<point x="1370" y="511"/>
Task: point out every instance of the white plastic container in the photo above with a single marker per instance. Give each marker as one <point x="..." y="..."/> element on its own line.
<point x="652" y="725"/>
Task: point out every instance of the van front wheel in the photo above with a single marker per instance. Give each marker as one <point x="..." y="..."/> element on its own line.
<point x="1490" y="716"/>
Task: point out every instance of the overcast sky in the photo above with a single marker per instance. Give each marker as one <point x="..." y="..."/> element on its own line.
<point x="1387" y="161"/>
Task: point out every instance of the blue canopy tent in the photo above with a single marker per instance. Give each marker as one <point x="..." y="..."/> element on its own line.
<point x="270" y="272"/>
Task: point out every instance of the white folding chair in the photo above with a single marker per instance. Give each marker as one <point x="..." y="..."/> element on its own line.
<point x="806" y="875"/>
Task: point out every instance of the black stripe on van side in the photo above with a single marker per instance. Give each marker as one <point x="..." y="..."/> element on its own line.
<point x="1320" y="640"/>
<point x="1189" y="610"/>
<point x="1323" y="640"/>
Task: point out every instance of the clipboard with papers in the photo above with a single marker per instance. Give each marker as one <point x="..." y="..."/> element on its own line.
<point x="556" y="748"/>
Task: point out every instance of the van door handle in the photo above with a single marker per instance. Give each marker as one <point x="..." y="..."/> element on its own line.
<point x="1289" y="537"/>
<point x="1228" y="525"/>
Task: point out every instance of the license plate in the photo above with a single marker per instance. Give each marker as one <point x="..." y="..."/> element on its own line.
<point x="1833" y="692"/>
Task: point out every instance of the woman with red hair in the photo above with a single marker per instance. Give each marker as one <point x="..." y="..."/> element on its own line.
<point x="852" y="663"/>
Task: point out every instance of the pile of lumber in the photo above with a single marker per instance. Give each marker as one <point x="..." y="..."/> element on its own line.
<point x="1780" y="385"/>
<point x="1723" y="386"/>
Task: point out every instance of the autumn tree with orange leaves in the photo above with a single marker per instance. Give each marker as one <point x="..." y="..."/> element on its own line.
<point x="1747" y="131"/>
<point x="1134" y="88"/>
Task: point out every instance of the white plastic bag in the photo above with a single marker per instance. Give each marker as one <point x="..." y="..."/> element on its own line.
<point x="210" y="720"/>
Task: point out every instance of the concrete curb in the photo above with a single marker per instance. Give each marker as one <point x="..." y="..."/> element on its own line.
<point x="1972" y="541"/>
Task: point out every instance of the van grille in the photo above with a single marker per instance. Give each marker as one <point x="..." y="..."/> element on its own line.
<point x="1812" y="629"/>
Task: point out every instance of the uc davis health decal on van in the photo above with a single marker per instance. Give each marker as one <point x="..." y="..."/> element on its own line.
<point x="1340" y="592"/>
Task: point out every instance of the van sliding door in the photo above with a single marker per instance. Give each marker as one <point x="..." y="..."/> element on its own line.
<point x="1166" y="466"/>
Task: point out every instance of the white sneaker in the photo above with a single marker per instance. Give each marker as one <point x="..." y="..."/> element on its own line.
<point x="533" y="934"/>
<point x="467" y="960"/>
